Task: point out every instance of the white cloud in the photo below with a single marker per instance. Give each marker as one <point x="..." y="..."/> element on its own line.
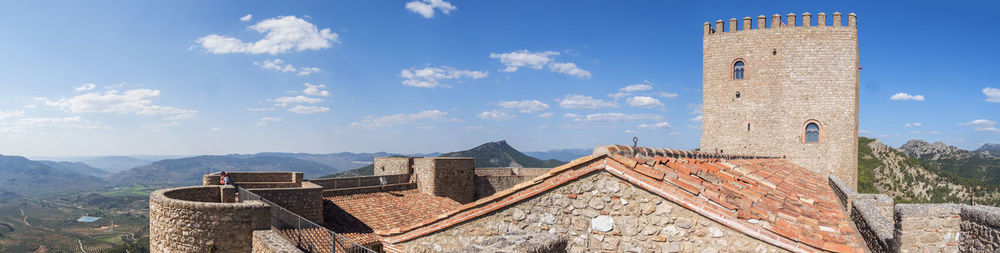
<point x="476" y="127"/>
<point x="862" y="131"/>
<point x="538" y="60"/>
<point x="282" y="34"/>
<point x="644" y="102"/>
<point x="11" y="114"/>
<point x="495" y="115"/>
<point x="546" y="115"/>
<point x="246" y="18"/>
<point x="524" y="106"/>
<point x="571" y="116"/>
<point x="216" y="129"/>
<point x="569" y="68"/>
<point x="629" y="131"/>
<point x="914" y="124"/>
<point x="517" y="59"/>
<point x="85" y="87"/>
<point x="696" y="119"/>
<point x="280" y="66"/>
<point x="636" y="87"/>
<point x="371" y="122"/>
<point x="137" y="101"/>
<point x="925" y="133"/>
<point x="314" y="90"/>
<point x="426" y="7"/>
<point x="306" y="109"/>
<point x="284" y="101"/>
<point x="663" y="124"/>
<point x="982" y="125"/>
<point x="573" y="101"/>
<point x="265" y="120"/>
<point x="430" y="77"/>
<point x="666" y="94"/>
<point x="260" y="109"/>
<point x="161" y="125"/>
<point x="618" y="117"/>
<point x="903" y="96"/>
<point x="992" y="94"/>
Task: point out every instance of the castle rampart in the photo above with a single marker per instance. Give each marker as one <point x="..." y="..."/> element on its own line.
<point x="203" y="219"/>
<point x="450" y="177"/>
<point x="889" y="227"/>
<point x="765" y="85"/>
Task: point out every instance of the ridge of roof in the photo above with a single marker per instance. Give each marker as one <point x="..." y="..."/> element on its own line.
<point x="766" y="198"/>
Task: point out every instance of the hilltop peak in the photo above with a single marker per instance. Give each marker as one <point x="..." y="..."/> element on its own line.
<point x="989" y="149"/>
<point x="501" y="154"/>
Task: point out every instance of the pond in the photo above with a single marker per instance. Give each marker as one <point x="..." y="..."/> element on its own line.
<point x="88" y="219"/>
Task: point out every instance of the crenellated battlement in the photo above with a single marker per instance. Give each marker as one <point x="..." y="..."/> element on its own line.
<point x="791" y="20"/>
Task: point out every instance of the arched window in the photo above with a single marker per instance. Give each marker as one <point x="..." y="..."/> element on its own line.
<point x="738" y="70"/>
<point x="812" y="133"/>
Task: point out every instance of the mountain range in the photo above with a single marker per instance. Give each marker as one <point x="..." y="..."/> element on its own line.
<point x="26" y="177"/>
<point x="922" y="172"/>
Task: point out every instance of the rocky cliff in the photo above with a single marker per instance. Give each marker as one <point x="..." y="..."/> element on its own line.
<point x="905" y="178"/>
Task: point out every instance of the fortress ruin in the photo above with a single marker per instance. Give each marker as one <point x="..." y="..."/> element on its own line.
<point x="779" y="134"/>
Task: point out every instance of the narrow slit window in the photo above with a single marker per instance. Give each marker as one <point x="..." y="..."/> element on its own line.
<point x="738" y="70"/>
<point x="812" y="133"/>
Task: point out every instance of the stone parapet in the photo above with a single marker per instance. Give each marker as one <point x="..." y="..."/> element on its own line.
<point x="355" y="182"/>
<point x="305" y="201"/>
<point x="196" y="219"/>
<point x="875" y="227"/>
<point x="980" y="229"/>
<point x="282" y="179"/>
<point x="393" y="165"/>
<point x="451" y="177"/>
<point x="268" y="241"/>
<point x="927" y="228"/>
<point x="777" y="21"/>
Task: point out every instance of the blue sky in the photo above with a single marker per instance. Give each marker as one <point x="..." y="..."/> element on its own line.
<point x="217" y="77"/>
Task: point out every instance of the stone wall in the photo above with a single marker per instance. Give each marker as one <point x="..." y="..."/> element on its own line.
<point x="450" y="177"/>
<point x="306" y="201"/>
<point x="873" y="225"/>
<point x="281" y="179"/>
<point x="193" y="219"/>
<point x="794" y="75"/>
<point x="268" y="241"/>
<point x="980" y="229"/>
<point x="927" y="228"/>
<point x="354" y="182"/>
<point x="598" y="212"/>
<point x="393" y="165"/>
<point x="492" y="180"/>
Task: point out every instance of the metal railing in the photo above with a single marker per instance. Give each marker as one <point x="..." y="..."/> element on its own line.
<point x="362" y="181"/>
<point x="305" y="234"/>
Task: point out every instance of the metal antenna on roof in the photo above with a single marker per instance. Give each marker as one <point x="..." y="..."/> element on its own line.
<point x="635" y="142"/>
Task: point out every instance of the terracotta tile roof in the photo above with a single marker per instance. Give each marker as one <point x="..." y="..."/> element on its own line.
<point x="770" y="199"/>
<point x="315" y="240"/>
<point x="356" y="216"/>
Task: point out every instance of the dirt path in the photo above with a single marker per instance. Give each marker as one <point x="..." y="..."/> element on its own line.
<point x="25" y="218"/>
<point x="81" y="246"/>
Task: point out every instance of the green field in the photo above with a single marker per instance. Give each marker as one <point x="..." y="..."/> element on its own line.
<point x="50" y="222"/>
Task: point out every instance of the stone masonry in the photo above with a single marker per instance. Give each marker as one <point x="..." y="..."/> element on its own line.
<point x="305" y="201"/>
<point x="599" y="212"/>
<point x="393" y="165"/>
<point x="794" y="75"/>
<point x="193" y="219"/>
<point x="450" y="177"/>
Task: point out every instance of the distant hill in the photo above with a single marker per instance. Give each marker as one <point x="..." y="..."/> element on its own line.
<point x="561" y="154"/>
<point x="115" y="164"/>
<point x="992" y="149"/>
<point x="922" y="172"/>
<point x="500" y="154"/>
<point x="77" y="167"/>
<point x="978" y="167"/>
<point x="491" y="154"/>
<point x="342" y="161"/>
<point x="27" y="177"/>
<point x="188" y="171"/>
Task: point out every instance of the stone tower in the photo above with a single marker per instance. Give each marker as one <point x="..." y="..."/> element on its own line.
<point x="785" y="89"/>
